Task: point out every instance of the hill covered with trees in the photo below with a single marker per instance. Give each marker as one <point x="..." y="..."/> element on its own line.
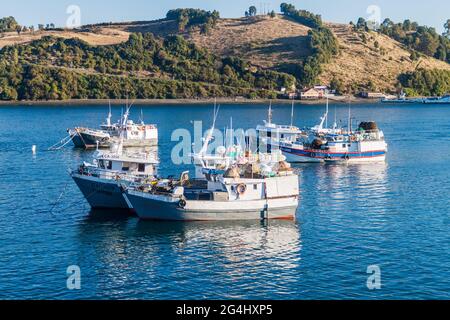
<point x="142" y="67"/>
<point x="193" y="53"/>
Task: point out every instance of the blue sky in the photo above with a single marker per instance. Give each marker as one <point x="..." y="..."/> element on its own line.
<point x="431" y="12"/>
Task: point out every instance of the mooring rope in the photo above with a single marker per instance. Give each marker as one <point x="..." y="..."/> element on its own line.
<point x="61" y="144"/>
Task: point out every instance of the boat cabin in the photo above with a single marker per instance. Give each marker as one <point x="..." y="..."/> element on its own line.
<point x="127" y="165"/>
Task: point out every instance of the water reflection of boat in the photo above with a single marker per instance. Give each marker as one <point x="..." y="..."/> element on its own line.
<point x="165" y="258"/>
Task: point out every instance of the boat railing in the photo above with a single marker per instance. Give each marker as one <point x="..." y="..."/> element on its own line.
<point x="112" y="175"/>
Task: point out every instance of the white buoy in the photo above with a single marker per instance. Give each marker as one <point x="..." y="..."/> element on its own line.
<point x="33" y="149"/>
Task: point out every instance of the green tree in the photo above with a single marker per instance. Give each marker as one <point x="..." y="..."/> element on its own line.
<point x="337" y="85"/>
<point x="447" y="29"/>
<point x="8" y="24"/>
<point x="252" y="11"/>
<point x="361" y="24"/>
<point x="428" y="44"/>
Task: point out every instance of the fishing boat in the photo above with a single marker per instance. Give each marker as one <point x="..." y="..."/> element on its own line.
<point x="135" y="134"/>
<point x="252" y="191"/>
<point x="270" y="134"/>
<point x="438" y="100"/>
<point x="336" y="144"/>
<point x="367" y="144"/>
<point x="401" y="98"/>
<point x="233" y="184"/>
<point x="102" y="181"/>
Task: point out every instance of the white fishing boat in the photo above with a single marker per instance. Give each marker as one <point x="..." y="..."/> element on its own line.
<point x="322" y="143"/>
<point x="135" y="134"/>
<point x="367" y="144"/>
<point x="401" y="98"/>
<point x="233" y="184"/>
<point x="270" y="134"/>
<point x="438" y="100"/>
<point x="102" y="181"/>
<point x="244" y="192"/>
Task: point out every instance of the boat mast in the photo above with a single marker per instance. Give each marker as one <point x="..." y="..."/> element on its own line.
<point x="108" y="119"/>
<point x="349" y="117"/>
<point x="211" y="131"/>
<point x="142" y="117"/>
<point x="270" y="113"/>
<point x="292" y="113"/>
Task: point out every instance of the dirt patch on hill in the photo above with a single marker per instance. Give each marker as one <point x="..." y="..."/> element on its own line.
<point x="377" y="59"/>
<point x="266" y="42"/>
<point x="97" y="36"/>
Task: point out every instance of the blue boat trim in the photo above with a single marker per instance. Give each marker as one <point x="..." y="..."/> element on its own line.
<point x="320" y="154"/>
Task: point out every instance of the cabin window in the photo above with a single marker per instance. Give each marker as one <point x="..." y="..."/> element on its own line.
<point x="348" y="145"/>
<point x="141" y="167"/>
<point x="255" y="187"/>
<point x="282" y="136"/>
<point x="269" y="134"/>
<point x="109" y="165"/>
<point x="101" y="163"/>
<point x="125" y="166"/>
<point x="344" y="145"/>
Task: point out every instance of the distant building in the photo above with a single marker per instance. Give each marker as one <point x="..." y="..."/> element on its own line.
<point x="372" y="95"/>
<point x="311" y="94"/>
<point x="291" y="95"/>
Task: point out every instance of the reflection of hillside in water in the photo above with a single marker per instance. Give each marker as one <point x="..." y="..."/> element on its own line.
<point x="173" y="253"/>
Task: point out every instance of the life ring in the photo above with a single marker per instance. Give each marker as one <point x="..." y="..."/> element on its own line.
<point x="182" y="204"/>
<point x="241" y="189"/>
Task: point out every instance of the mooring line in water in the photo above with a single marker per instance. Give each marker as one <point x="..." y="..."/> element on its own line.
<point x="59" y="198"/>
<point x="61" y="144"/>
<point x="73" y="205"/>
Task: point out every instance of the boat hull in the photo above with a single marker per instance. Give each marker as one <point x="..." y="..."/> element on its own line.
<point x="158" y="207"/>
<point x="298" y="155"/>
<point x="89" y="141"/>
<point x="101" y="193"/>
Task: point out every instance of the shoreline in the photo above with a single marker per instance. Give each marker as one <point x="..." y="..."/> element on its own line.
<point x="86" y="102"/>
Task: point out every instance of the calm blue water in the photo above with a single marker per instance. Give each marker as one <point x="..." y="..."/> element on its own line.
<point x="396" y="216"/>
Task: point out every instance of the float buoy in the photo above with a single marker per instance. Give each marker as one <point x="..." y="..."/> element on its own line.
<point x="182" y="204"/>
<point x="241" y="189"/>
